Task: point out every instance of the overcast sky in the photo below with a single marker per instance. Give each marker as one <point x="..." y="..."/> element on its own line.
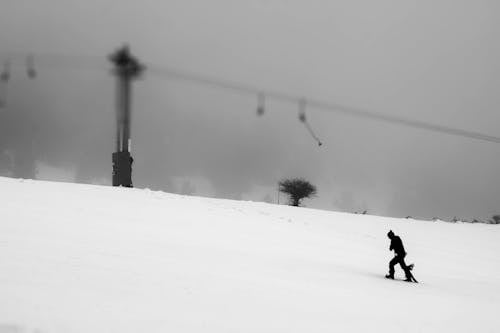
<point x="435" y="61"/>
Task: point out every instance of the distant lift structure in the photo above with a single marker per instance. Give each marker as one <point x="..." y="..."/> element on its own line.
<point x="126" y="68"/>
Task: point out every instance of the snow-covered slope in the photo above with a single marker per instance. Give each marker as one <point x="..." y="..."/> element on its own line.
<point x="82" y="258"/>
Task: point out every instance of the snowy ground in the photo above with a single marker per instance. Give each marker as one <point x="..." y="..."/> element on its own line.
<point x="82" y="258"/>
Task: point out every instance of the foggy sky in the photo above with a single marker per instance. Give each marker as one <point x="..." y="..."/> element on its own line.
<point x="435" y="61"/>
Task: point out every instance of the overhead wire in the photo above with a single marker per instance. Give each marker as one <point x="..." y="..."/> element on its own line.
<point x="32" y="61"/>
<point x="319" y="105"/>
<point x="98" y="63"/>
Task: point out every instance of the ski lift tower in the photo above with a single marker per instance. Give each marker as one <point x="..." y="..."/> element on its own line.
<point x="126" y="68"/>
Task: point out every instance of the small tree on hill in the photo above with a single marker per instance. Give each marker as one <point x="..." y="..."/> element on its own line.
<point x="495" y="219"/>
<point x="297" y="189"/>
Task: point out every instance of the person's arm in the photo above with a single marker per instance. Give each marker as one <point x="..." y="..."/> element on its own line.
<point x="392" y="245"/>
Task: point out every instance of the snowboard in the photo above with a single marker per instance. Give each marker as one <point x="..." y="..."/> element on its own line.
<point x="412" y="278"/>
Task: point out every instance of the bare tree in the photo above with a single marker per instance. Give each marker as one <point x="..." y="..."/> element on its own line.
<point x="495" y="219"/>
<point x="297" y="189"/>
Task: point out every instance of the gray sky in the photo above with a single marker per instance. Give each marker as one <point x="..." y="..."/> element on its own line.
<point x="434" y="61"/>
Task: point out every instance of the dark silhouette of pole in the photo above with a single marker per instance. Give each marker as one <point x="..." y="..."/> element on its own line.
<point x="126" y="68"/>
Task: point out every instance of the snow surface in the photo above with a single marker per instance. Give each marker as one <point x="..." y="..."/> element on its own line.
<point x="85" y="258"/>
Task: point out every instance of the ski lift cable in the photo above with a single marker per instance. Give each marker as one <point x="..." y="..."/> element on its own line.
<point x="169" y="73"/>
<point x="31" y="61"/>
<point x="98" y="63"/>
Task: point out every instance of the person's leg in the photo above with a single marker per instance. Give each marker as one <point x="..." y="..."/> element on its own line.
<point x="404" y="267"/>
<point x="392" y="263"/>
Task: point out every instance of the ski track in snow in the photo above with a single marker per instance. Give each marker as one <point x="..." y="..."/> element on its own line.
<point x="84" y="258"/>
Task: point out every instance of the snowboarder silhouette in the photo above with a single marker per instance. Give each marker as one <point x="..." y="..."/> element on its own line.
<point x="399" y="258"/>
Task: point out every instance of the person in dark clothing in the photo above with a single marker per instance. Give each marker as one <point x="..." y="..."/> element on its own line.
<point x="399" y="258"/>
